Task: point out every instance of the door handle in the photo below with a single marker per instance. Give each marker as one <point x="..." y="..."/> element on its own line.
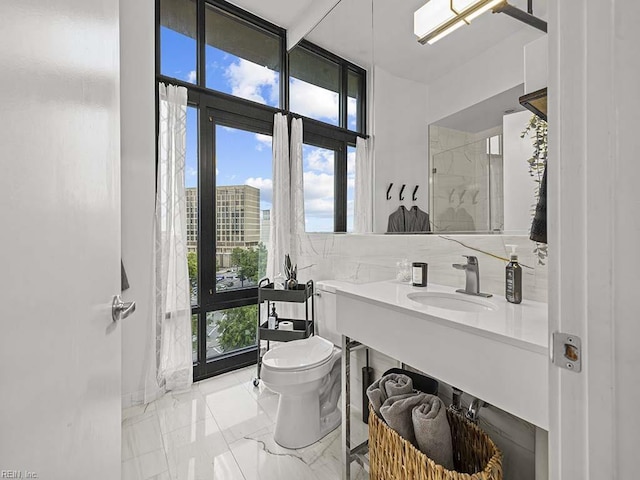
<point x="120" y="309"/>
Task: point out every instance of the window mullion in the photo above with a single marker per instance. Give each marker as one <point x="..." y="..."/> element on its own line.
<point x="201" y="53"/>
<point x="206" y="210"/>
<point x="284" y="73"/>
<point x="344" y="88"/>
<point x="340" y="200"/>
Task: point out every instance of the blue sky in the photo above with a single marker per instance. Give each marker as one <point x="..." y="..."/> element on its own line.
<point x="244" y="157"/>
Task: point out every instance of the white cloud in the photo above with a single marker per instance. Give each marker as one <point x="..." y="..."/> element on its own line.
<point x="318" y="208"/>
<point x="265" y="185"/>
<point x="313" y="101"/>
<point x="191" y="76"/>
<point x="351" y="162"/>
<point x="318" y="194"/>
<point x="317" y="185"/>
<point x="263" y="141"/>
<point x="247" y="79"/>
<point x="320" y="160"/>
<point x="352" y="107"/>
<point x="191" y="172"/>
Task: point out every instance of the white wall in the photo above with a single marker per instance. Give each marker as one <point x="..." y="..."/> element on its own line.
<point x="519" y="186"/>
<point x="496" y="70"/>
<point x="536" y="65"/>
<point x="137" y="89"/>
<point x="401" y="144"/>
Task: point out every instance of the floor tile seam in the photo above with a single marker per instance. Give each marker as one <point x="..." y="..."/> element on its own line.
<point x="138" y="418"/>
<point x="208" y="415"/>
<point x="153" y="414"/>
<point x="235" y="460"/>
<point x="137" y="457"/>
<point x="166" y="454"/>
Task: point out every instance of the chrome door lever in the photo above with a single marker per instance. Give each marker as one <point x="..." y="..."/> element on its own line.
<point x="120" y="309"/>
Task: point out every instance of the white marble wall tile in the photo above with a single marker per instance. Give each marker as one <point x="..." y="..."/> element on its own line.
<point x="364" y="258"/>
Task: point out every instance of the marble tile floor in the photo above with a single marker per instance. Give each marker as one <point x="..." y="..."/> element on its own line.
<point x="222" y="429"/>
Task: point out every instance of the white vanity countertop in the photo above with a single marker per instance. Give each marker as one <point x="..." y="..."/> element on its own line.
<point x="498" y="355"/>
<point x="524" y="325"/>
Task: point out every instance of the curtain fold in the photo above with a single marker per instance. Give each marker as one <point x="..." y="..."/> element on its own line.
<point x="280" y="225"/>
<point x="297" y="190"/>
<point x="173" y="304"/>
<point x="363" y="202"/>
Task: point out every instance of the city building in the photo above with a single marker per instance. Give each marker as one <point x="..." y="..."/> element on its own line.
<point x="191" y="195"/>
<point x="238" y="220"/>
<point x="265" y="228"/>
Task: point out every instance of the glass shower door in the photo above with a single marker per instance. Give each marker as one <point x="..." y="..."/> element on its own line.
<point x="467" y="188"/>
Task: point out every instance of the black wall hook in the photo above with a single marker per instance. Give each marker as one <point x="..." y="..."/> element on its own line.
<point x="402" y="190"/>
<point x="389" y="190"/>
<point x="415" y="190"/>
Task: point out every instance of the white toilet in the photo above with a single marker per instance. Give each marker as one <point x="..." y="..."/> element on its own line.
<point x="306" y="374"/>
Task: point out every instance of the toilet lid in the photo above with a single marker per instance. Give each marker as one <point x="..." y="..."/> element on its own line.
<point x="299" y="354"/>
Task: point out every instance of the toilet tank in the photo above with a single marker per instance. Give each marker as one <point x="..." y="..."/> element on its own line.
<point x="325" y="305"/>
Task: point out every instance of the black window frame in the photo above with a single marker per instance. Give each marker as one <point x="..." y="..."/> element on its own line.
<point x="344" y="68"/>
<point x="215" y="107"/>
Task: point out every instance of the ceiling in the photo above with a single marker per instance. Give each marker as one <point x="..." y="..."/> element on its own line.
<point x="283" y="13"/>
<point x="486" y="114"/>
<point x="381" y="32"/>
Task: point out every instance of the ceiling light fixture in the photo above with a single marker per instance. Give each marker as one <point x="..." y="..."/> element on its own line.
<point x="438" y="18"/>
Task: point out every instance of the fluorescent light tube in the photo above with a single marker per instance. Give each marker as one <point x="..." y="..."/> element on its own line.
<point x="482" y="9"/>
<point x="446" y="32"/>
<point x="438" y="18"/>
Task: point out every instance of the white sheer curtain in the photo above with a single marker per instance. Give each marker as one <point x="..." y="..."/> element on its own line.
<point x="297" y="190"/>
<point x="280" y="231"/>
<point x="173" y="305"/>
<point x="363" y="204"/>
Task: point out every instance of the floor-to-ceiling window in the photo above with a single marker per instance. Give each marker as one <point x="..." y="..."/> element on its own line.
<point x="238" y="75"/>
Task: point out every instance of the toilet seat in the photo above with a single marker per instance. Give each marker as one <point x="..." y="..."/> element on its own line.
<point x="299" y="355"/>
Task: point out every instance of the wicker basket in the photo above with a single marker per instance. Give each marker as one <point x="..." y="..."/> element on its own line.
<point x="391" y="457"/>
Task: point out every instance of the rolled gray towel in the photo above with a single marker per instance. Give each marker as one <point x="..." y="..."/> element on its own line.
<point x="432" y="431"/>
<point x="388" y="386"/>
<point x="397" y="412"/>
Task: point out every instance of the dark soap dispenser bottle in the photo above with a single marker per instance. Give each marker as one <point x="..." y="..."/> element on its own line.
<point x="513" y="278"/>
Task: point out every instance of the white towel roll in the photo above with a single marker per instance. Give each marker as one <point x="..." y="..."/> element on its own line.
<point x="285" y="325"/>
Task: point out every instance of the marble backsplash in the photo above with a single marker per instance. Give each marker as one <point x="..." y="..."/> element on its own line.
<point x="369" y="258"/>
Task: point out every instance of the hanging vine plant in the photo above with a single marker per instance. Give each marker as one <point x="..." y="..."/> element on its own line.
<point x="537" y="130"/>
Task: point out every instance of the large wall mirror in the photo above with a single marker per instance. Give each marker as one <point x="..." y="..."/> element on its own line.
<point x="480" y="176"/>
<point x="445" y="118"/>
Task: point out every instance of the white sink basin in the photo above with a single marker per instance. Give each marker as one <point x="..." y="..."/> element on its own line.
<point x="452" y="301"/>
